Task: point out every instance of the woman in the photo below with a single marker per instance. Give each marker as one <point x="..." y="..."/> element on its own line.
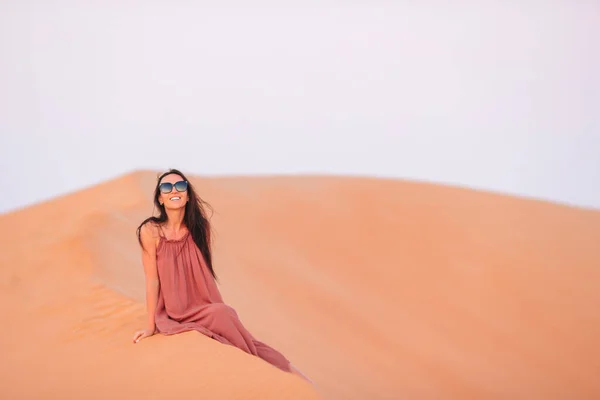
<point x="181" y="290"/>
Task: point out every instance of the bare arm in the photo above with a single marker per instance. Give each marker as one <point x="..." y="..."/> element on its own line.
<point x="148" y="238"/>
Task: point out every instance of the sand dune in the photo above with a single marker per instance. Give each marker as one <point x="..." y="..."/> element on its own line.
<point x="376" y="289"/>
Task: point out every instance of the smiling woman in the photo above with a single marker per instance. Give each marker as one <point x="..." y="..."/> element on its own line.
<point x="181" y="289"/>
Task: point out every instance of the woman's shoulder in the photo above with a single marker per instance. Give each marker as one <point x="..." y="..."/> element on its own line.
<point x="150" y="230"/>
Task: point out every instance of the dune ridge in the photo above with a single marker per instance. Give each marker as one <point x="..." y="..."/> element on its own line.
<point x="375" y="288"/>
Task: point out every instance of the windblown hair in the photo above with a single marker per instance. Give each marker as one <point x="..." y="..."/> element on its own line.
<point x="195" y="218"/>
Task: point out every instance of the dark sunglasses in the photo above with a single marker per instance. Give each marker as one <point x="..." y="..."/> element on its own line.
<point x="167" y="187"/>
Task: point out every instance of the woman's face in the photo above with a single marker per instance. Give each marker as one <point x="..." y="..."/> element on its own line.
<point x="173" y="192"/>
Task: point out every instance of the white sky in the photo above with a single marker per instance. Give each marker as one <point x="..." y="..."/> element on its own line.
<point x="495" y="96"/>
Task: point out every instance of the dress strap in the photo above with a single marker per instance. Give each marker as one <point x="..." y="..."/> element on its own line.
<point x="161" y="233"/>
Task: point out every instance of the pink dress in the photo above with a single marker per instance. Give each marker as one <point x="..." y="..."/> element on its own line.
<point x="188" y="299"/>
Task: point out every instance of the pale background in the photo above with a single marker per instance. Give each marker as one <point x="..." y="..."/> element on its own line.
<point x="485" y="94"/>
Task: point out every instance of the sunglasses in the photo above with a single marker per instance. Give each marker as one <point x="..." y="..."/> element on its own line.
<point x="167" y="187"/>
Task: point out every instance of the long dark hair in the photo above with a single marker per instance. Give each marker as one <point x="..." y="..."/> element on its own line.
<point x="194" y="218"/>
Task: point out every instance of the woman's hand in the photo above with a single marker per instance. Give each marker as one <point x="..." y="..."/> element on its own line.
<point x="144" y="333"/>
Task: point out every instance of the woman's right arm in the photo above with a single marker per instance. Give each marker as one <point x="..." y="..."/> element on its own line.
<point x="149" y="242"/>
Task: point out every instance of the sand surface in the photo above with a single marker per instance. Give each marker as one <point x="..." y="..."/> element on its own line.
<point x="376" y="289"/>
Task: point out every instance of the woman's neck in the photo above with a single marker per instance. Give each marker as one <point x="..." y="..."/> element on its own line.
<point x="175" y="220"/>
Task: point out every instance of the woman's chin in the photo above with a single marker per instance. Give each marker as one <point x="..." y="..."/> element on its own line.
<point x="174" y="205"/>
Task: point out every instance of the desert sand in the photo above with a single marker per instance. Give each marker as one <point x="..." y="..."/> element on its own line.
<point x="376" y="289"/>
